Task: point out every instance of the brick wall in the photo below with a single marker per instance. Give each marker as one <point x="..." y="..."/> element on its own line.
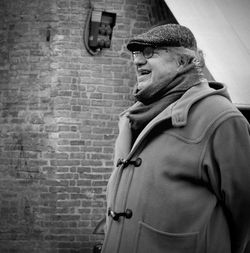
<point x="59" y="108"/>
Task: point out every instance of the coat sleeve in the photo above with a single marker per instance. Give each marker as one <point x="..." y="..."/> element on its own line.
<point x="230" y="146"/>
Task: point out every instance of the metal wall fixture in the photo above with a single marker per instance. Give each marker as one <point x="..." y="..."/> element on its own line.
<point x="98" y="30"/>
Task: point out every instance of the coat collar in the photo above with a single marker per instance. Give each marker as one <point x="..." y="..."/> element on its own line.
<point x="178" y="111"/>
<point x="181" y="108"/>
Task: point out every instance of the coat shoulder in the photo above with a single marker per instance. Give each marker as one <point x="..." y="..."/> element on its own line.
<point x="207" y="114"/>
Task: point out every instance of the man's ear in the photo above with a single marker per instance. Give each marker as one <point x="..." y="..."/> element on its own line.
<point x="183" y="60"/>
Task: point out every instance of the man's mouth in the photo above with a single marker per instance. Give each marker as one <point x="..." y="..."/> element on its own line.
<point x="143" y="75"/>
<point x="144" y="72"/>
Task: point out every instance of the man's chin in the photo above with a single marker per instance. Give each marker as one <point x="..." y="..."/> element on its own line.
<point x="143" y="84"/>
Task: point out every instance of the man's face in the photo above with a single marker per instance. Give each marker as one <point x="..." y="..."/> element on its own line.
<point x="154" y="65"/>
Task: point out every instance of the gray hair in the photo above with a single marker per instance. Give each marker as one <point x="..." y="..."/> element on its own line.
<point x="196" y="56"/>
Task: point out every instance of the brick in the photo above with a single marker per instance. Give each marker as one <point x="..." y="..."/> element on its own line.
<point x="65" y="176"/>
<point x="55" y="183"/>
<point x="103" y="103"/>
<point x="99" y="183"/>
<point x="76" y="108"/>
<point x="69" y="135"/>
<point x="68" y="203"/>
<point x="83" y="182"/>
<point x="104" y="89"/>
<point x="101" y="156"/>
<point x="83" y="169"/>
<point x="102" y="170"/>
<point x="77" y="143"/>
<point x="90" y="176"/>
<point x="102" y="143"/>
<point x="101" y="116"/>
<point x="122" y="89"/>
<point x="59" y="237"/>
<point x="65" y="162"/>
<point x="113" y="97"/>
<point x="77" y="156"/>
<point x="78" y="196"/>
<point x="63" y="196"/>
<point x="69" y="245"/>
<point x="99" y="130"/>
<point x="96" y="96"/>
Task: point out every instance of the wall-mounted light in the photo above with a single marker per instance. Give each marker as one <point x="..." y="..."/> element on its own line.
<point x="98" y="32"/>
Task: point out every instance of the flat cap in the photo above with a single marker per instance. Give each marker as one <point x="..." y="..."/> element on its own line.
<point x="168" y="35"/>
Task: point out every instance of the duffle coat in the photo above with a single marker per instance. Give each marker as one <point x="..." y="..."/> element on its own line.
<point x="185" y="185"/>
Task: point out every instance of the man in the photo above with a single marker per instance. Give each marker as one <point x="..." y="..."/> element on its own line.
<point x="182" y="176"/>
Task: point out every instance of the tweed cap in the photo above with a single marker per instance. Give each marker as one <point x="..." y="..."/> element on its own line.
<point x="169" y="35"/>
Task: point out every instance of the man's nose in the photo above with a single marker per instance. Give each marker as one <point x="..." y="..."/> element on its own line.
<point x="139" y="59"/>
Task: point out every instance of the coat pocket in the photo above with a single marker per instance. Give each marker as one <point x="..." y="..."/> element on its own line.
<point x="151" y="240"/>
